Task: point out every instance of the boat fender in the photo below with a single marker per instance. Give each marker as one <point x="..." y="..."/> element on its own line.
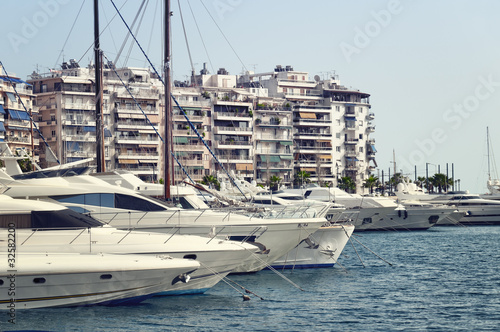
<point x="406" y="214"/>
<point x="399" y="213"/>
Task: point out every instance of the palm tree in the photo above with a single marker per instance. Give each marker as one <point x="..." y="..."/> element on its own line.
<point x="347" y="184"/>
<point x="301" y="177"/>
<point x="440" y="181"/>
<point x="371" y="182"/>
<point x="274" y="182"/>
<point x="211" y="180"/>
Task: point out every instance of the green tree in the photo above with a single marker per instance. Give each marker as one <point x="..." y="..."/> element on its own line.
<point x="347" y="184"/>
<point x="301" y="177"/>
<point x="210" y="180"/>
<point x="274" y="182"/>
<point x="441" y="182"/>
<point x="371" y="182"/>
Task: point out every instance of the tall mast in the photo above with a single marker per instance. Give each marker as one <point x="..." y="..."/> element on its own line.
<point x="168" y="105"/>
<point x="98" y="91"/>
<point x="488" y="149"/>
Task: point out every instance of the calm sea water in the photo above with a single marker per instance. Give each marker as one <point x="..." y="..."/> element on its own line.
<point x="445" y="278"/>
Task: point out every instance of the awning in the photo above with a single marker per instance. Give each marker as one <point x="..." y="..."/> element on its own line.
<point x="308" y="169"/>
<point x="195" y="167"/>
<point x="286" y="157"/>
<point x="350" y="118"/>
<point x="2" y="127"/>
<point x="2" y="111"/>
<point x="286" y="142"/>
<point x="180" y="140"/>
<point x="272" y="159"/>
<point x="147" y="161"/>
<point x="373" y="148"/>
<point x="18" y="128"/>
<point x="325" y="156"/>
<point x="304" y="115"/>
<point x="244" y="167"/>
<point x="12" y="97"/>
<point x="180" y="153"/>
<point x="107" y="133"/>
<point x="14" y="80"/>
<point x="154" y="118"/>
<point x="128" y="161"/>
<point x="19" y="115"/>
<point x="352" y="159"/>
<point x="89" y="129"/>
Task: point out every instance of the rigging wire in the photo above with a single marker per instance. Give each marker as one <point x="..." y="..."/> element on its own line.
<point x="128" y="35"/>
<point x="26" y="110"/>
<point x="193" y="127"/>
<point x="136" y="32"/>
<point x="152" y="29"/>
<point x="201" y="37"/>
<point x="223" y="35"/>
<point x="100" y="33"/>
<point x="186" y="39"/>
<point x="106" y="18"/>
<point x="69" y="34"/>
<point x="145" y="115"/>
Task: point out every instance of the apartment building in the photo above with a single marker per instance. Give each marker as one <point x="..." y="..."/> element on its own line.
<point x="331" y="124"/>
<point x="16" y="127"/>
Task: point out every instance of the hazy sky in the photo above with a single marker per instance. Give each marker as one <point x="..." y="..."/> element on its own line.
<point x="431" y="67"/>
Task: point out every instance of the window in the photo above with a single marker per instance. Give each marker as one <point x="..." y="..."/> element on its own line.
<point x="360" y="136"/>
<point x="337" y="108"/>
<point x="360" y="149"/>
<point x="53" y="133"/>
<point x="337" y="135"/>
<point x="337" y="148"/>
<point x="360" y="122"/>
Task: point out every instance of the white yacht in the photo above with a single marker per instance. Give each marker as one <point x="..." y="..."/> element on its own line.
<point x="377" y="213"/>
<point x="41" y="280"/>
<point x="45" y="227"/>
<point x="126" y="209"/>
<point x="474" y="209"/>
<point x="320" y="249"/>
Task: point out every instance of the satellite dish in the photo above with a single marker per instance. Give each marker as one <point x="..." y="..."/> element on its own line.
<point x="316" y="78"/>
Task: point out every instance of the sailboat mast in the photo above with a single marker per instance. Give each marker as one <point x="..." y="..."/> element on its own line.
<point x="168" y="106"/>
<point x="488" y="149"/>
<point x="98" y="91"/>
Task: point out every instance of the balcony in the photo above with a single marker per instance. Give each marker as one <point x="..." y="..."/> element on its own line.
<point x="351" y="128"/>
<point x="233" y="144"/>
<point x="74" y="123"/>
<point x="16" y="139"/>
<point x="231" y="116"/>
<point x="370" y="116"/>
<point x="189" y="147"/>
<point x="192" y="118"/>
<point x="273" y="165"/>
<point x="351" y="153"/>
<point x="371" y="129"/>
<point x="351" y="141"/>
<point x="232" y="130"/>
<point x="235" y="158"/>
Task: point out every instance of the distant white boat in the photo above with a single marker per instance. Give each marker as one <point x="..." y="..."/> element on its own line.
<point x="41" y="280"/>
